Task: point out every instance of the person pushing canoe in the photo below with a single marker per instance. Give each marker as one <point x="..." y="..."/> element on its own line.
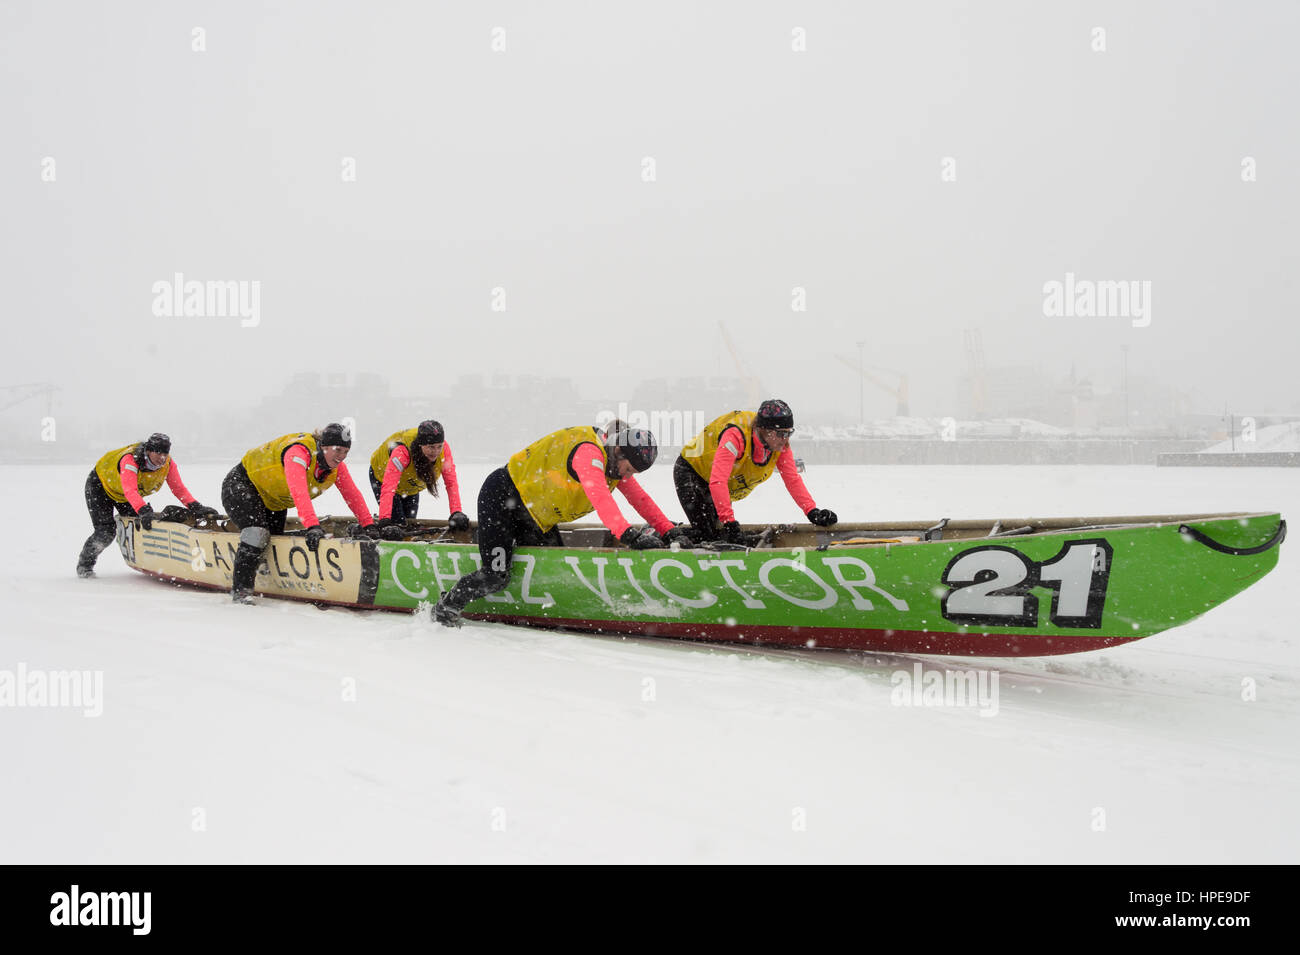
<point x="729" y="458"/>
<point x="286" y="472"/>
<point x="120" y="481"/>
<point x="559" y="478"/>
<point x="406" y="463"/>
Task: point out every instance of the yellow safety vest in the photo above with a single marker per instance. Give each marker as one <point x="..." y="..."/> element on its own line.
<point x="548" y="485"/>
<point x="410" y="482"/>
<point x="745" y="474"/>
<point x="265" y="467"/>
<point x="147" y="481"/>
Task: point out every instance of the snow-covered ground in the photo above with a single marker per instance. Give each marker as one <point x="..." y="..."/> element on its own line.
<point x="284" y="733"/>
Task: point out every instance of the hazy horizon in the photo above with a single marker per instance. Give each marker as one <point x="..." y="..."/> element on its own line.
<point x="503" y="147"/>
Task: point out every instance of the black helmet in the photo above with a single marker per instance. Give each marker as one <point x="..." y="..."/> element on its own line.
<point x="774" y="413"/>
<point x="159" y="443"/>
<point x="429" y="432"/>
<point x="636" y="445"/>
<point x="335" y="435"/>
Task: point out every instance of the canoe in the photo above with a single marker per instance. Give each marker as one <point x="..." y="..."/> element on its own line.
<point x="1007" y="587"/>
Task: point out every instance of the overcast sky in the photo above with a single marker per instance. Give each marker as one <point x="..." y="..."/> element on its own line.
<point x="504" y="145"/>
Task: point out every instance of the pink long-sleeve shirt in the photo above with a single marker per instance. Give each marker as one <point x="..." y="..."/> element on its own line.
<point x="398" y="462"/>
<point x="592" y="478"/>
<point x="295" y="475"/>
<point x="126" y="471"/>
<point x="731" y="444"/>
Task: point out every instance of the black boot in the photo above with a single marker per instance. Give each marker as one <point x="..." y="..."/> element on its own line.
<point x="445" y="613"/>
<point x="244" y="576"/>
<point x="91" y="550"/>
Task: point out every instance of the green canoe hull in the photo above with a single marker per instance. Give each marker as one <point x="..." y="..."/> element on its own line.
<point x="1053" y="587"/>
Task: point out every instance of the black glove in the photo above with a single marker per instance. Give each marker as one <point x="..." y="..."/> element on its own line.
<point x="200" y="511"/>
<point x="174" y="513"/>
<point x="678" y="532"/>
<point x="641" y="539"/>
<point x="733" y="534"/>
<point x="459" y="521"/>
<point x="315" y="533"/>
<point x="146" y="516"/>
<point x="822" y="517"/>
<point x="371" y="531"/>
<point x="390" y="529"/>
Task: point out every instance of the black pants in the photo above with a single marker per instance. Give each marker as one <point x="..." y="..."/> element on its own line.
<point x="245" y="508"/>
<point x="101" y="508"/>
<point x="503" y="524"/>
<point x="693" y="494"/>
<point x="404" y="507"/>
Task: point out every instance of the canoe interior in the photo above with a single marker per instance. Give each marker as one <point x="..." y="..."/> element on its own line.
<point x="787" y="536"/>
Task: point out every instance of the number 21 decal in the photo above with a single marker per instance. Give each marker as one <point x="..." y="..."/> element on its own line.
<point x="991" y="585"/>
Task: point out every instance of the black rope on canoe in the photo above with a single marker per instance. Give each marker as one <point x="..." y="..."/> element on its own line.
<point x="1277" y="538"/>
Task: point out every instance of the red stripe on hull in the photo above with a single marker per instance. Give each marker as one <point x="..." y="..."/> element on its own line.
<point x="834" y="638"/>
<point x="823" y="638"/>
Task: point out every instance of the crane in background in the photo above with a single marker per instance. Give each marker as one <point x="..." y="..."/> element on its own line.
<point x="974" y="342"/>
<point x="11" y="395"/>
<point x="753" y="390"/>
<point x="899" y="391"/>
